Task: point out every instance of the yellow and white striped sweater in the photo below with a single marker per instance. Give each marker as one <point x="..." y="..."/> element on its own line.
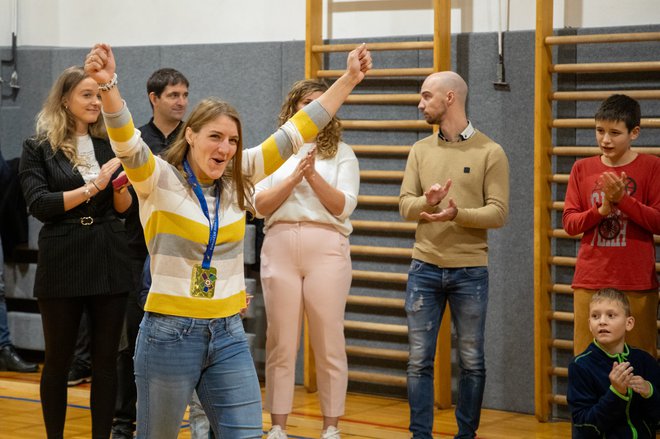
<point x="175" y="228"/>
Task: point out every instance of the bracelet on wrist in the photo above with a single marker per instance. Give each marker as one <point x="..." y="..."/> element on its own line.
<point x="87" y="192"/>
<point x="97" y="188"/>
<point x="110" y="84"/>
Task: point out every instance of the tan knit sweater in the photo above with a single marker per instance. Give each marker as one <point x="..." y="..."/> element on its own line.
<point x="479" y="171"/>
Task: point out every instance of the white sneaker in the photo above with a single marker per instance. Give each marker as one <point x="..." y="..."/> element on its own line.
<point x="276" y="432"/>
<point x="331" y="433"/>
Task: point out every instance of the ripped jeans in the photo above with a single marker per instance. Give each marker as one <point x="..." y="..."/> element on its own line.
<point x="429" y="289"/>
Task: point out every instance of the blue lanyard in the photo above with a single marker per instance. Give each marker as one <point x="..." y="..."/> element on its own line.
<point x="192" y="181"/>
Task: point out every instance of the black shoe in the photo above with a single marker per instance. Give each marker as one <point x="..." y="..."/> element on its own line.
<point x="10" y="360"/>
<point x="79" y="374"/>
<point x="122" y="428"/>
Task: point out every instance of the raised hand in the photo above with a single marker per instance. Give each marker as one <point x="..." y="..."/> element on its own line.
<point x="358" y="62"/>
<point x="446" y="214"/>
<point x="100" y="63"/>
<point x="436" y="193"/>
<point x="620" y="376"/>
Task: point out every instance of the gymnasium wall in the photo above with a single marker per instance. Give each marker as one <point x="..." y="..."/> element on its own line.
<point x="256" y="76"/>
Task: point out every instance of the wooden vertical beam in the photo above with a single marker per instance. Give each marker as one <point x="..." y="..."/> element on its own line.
<point x="313" y="63"/>
<point x="313" y="36"/>
<point x="542" y="199"/>
<point x="441" y="62"/>
<point x="441" y="35"/>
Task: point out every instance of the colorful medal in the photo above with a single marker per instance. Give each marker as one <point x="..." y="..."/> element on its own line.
<point x="202" y="281"/>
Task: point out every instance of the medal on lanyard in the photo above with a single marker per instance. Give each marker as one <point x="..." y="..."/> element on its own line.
<point x="202" y="282"/>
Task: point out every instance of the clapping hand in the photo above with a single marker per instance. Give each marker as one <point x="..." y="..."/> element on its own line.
<point x="107" y="170"/>
<point x="621" y="376"/>
<point x="613" y="186"/>
<point x="446" y="214"/>
<point x="640" y="385"/>
<point x="436" y="193"/>
<point x="304" y="165"/>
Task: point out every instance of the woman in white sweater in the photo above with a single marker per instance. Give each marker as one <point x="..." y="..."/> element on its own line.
<point x="306" y="263"/>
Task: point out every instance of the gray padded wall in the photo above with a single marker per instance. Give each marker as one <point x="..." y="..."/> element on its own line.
<point x="257" y="87"/>
<point x="256" y="76"/>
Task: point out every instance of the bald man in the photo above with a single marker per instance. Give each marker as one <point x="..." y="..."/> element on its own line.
<point x="456" y="186"/>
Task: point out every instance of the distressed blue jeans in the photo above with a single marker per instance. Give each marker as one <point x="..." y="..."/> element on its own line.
<point x="174" y="355"/>
<point x="429" y="290"/>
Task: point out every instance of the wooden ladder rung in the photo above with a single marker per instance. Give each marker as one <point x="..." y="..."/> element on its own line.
<point x="377" y="378"/>
<point x="380" y="353"/>
<point x="388" y="252"/>
<point x="611" y="67"/>
<point x="558" y="372"/>
<point x="380" y="276"/>
<point x="396" y="45"/>
<point x="382" y="73"/>
<point x="567" y="261"/>
<point x="381" y="149"/>
<point x="386" y="125"/>
<point x="559" y="399"/>
<point x="561" y="233"/>
<point x="384" y="226"/>
<point x="378" y="200"/>
<point x="645" y="122"/>
<point x="603" y="38"/>
<point x="566" y="345"/>
<point x="379" y="302"/>
<point x="594" y="150"/>
<point x="561" y="289"/>
<point x="563" y="261"/>
<point x="561" y="316"/>
<point x="559" y="178"/>
<point x="557" y="205"/>
<point x="381" y="175"/>
<point x="390" y="99"/>
<point x="381" y="328"/>
<point x="600" y="95"/>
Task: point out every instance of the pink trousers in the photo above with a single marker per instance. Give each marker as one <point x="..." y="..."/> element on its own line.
<point x="305" y="267"/>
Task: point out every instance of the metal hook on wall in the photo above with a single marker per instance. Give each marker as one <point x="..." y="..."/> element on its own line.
<point x="13" y="79"/>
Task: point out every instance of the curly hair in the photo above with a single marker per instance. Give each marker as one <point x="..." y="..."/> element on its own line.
<point x="206" y="111"/>
<point x="327" y="140"/>
<point x="57" y="125"/>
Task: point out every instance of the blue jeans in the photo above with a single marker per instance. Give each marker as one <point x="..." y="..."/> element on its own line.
<point x="429" y="289"/>
<point x="174" y="355"/>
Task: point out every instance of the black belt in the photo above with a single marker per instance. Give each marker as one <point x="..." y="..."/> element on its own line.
<point x="87" y="220"/>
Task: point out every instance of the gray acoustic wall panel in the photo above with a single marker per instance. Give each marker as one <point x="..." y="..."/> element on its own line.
<point x="255" y="77"/>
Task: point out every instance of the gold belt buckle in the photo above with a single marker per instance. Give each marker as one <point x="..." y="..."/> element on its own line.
<point x="86" y="220"/>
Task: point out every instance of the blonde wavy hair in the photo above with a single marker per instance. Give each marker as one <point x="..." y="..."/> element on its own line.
<point x="57" y="125"/>
<point x="327" y="140"/>
<point x="206" y="111"/>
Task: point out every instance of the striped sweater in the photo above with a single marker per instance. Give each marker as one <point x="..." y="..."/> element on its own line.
<point x="175" y="228"/>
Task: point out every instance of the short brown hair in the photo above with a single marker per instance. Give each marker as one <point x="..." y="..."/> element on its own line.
<point x="615" y="296"/>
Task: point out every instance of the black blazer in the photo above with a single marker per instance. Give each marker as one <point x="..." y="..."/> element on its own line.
<point x="74" y="260"/>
